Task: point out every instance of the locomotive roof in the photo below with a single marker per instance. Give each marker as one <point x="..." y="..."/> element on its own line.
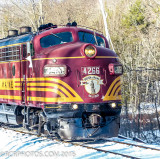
<point x="28" y="37"/>
<point x="16" y="40"/>
<point x="68" y="28"/>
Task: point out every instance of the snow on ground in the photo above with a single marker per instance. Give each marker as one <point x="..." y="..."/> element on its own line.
<point x="131" y="150"/>
<point x="15" y="145"/>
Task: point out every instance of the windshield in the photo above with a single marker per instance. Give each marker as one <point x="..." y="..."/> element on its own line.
<point x="91" y="38"/>
<point x="56" y="39"/>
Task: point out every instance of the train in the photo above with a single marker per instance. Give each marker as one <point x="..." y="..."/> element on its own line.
<point x="61" y="81"/>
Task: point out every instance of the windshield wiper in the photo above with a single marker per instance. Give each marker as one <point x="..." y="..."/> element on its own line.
<point x="56" y="36"/>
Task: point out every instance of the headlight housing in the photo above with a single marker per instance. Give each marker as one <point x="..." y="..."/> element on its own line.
<point x="89" y="51"/>
<point x="55" y="70"/>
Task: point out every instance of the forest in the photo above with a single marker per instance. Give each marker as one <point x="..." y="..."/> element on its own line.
<point x="134" y="31"/>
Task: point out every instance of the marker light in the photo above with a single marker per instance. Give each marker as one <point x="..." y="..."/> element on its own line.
<point x="115" y="69"/>
<point x="90" y="51"/>
<point x="55" y="70"/>
<point x="113" y="105"/>
<point x="75" y="106"/>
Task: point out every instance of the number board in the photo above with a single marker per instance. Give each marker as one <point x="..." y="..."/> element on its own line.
<point x="92" y="70"/>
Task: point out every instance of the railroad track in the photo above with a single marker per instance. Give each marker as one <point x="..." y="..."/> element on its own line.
<point x="106" y="151"/>
<point x="100" y="149"/>
<point x="131" y="144"/>
<point x="103" y="147"/>
<point x="98" y="143"/>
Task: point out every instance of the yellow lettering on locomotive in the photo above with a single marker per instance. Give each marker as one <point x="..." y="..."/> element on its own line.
<point x="7" y="84"/>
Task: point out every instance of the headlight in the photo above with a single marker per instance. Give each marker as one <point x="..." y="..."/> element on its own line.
<point x="113" y="105"/>
<point x="55" y="70"/>
<point x="90" y="51"/>
<point x="115" y="69"/>
<point x="75" y="106"/>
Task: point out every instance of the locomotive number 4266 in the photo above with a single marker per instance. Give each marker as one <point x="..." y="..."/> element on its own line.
<point x="92" y="70"/>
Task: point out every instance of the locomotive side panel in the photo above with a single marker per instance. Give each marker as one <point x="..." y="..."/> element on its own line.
<point x="10" y="78"/>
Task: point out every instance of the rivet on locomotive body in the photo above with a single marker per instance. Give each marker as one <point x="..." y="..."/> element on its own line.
<point x="54" y="60"/>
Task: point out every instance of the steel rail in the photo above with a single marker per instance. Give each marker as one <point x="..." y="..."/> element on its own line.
<point x="130" y="144"/>
<point x="105" y="151"/>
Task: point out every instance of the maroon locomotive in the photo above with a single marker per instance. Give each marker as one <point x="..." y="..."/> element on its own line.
<point x="62" y="81"/>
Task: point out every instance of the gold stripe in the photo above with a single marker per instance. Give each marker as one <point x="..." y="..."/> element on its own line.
<point x="59" y="99"/>
<point x="11" y="79"/>
<point x="13" y="45"/>
<point x="8" y="84"/>
<point x="4" y="84"/>
<point x="58" y="81"/>
<point x="19" y="84"/>
<point x="76" y="57"/>
<point x="10" y="97"/>
<point x="62" y="98"/>
<point x="13" y="61"/>
<point x="52" y="85"/>
<point x="70" y="98"/>
<point x="9" y="62"/>
<point x="118" y="90"/>
<point x="115" y="87"/>
<point x="112" y="96"/>
<point x="47" y="90"/>
<point x="11" y="89"/>
<point x="119" y="97"/>
<point x="111" y="86"/>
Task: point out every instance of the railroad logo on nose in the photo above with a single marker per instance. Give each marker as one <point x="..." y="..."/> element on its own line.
<point x="92" y="84"/>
